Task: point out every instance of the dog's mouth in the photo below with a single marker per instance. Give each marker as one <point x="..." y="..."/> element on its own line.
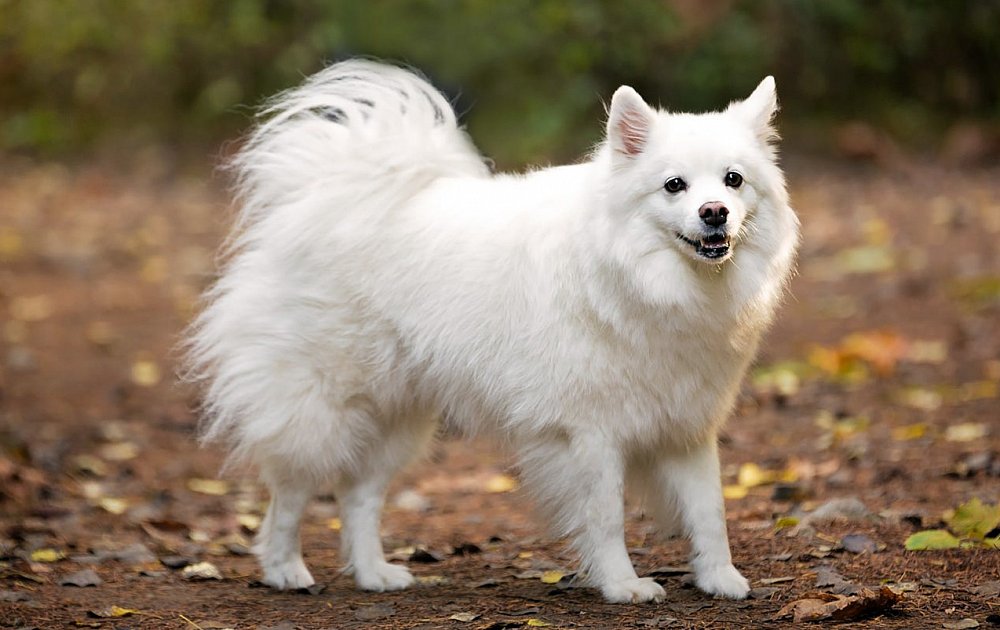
<point x="713" y="246"/>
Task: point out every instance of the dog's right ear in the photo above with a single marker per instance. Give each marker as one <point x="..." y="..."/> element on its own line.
<point x="630" y="120"/>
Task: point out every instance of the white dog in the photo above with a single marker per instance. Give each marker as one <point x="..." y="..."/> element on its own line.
<point x="597" y="318"/>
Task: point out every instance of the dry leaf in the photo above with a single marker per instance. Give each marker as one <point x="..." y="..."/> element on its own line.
<point x="464" y="616"/>
<point x="501" y="483"/>
<point x="119" y="451"/>
<point x="113" y="505"/>
<point x="47" y="555"/>
<point x="736" y="491"/>
<point x="552" y="577"/>
<point x="112" y="612"/>
<point x="145" y="373"/>
<point x="965" y="432"/>
<point x="86" y="577"/>
<point x="213" y="487"/>
<point x="820" y="606"/>
<point x="201" y="571"/>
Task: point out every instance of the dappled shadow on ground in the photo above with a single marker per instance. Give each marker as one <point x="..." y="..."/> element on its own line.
<point x="874" y="402"/>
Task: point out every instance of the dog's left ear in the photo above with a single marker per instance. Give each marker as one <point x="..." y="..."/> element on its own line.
<point x="630" y="120"/>
<point x="758" y="109"/>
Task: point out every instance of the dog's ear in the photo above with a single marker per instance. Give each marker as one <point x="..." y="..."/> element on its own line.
<point x="630" y="120"/>
<point x="758" y="109"/>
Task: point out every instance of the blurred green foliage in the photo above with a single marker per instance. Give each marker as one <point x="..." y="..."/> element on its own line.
<point x="530" y="73"/>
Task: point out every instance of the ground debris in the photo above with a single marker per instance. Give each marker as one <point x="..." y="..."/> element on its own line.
<point x="821" y="606"/>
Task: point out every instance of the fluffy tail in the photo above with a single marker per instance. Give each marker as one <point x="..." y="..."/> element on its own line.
<point x="355" y="140"/>
<point x="353" y="123"/>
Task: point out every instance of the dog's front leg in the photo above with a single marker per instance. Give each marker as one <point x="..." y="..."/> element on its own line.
<point x="579" y="482"/>
<point x="691" y="480"/>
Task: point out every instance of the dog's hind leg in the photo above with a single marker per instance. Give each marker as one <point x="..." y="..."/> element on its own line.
<point x="278" y="546"/>
<point x="361" y="495"/>
<point x="579" y="481"/>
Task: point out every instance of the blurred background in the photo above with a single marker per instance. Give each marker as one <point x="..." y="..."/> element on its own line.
<point x="854" y="76"/>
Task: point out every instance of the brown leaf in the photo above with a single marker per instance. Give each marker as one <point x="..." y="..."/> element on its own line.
<point x="820" y="606"/>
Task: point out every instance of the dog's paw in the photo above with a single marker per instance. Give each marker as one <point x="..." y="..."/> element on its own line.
<point x="723" y="581"/>
<point x="287" y="575"/>
<point x="383" y="577"/>
<point x="633" y="591"/>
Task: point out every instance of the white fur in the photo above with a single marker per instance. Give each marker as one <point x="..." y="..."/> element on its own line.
<point x="381" y="278"/>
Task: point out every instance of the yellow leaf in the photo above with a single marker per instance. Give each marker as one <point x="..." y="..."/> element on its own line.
<point x="334" y="524"/>
<point x="551" y="577"/>
<point x="501" y="483"/>
<point x="965" y="432"/>
<point x="119" y="451"/>
<point x="249" y="522"/>
<point x="118" y="611"/>
<point x="752" y="475"/>
<point x="145" y="373"/>
<point x="931" y="540"/>
<point x="537" y="623"/>
<point x="734" y="491"/>
<point x="47" y="555"/>
<point x="909" y="432"/>
<point x="112" y="505"/>
<point x="974" y="519"/>
<point x="920" y="398"/>
<point x="213" y="487"/>
<point x="786" y="521"/>
<point x="524" y="555"/>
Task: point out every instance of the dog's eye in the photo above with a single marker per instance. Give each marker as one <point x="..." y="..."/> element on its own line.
<point x="734" y="179"/>
<point x="675" y="185"/>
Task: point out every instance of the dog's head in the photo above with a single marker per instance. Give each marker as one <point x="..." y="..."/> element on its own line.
<point x="696" y="180"/>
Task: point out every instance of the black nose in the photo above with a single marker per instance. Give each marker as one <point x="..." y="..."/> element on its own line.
<point x="713" y="213"/>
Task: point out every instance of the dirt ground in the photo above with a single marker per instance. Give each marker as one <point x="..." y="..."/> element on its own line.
<point x="879" y="383"/>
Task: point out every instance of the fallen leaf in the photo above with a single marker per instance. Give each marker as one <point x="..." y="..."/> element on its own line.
<point x="965" y="432"/>
<point x="113" y="505"/>
<point x="119" y="451"/>
<point x="86" y="577"/>
<point x="47" y="555"/>
<point x="431" y="580"/>
<point x="777" y="580"/>
<point x="212" y="487"/>
<point x="931" y="539"/>
<point x="831" y="580"/>
<point x="501" y="483"/>
<point x="145" y="373"/>
<point x="335" y="524"/>
<point x="734" y="492"/>
<point x="962" y="624"/>
<point x="375" y="611"/>
<point x="537" y="623"/>
<point x="250" y="522"/>
<point x="112" y="612"/>
<point x="820" y="606"/>
<point x="858" y="543"/>
<point x="751" y="475"/>
<point x="974" y="519"/>
<point x="201" y="571"/>
<point x="987" y="589"/>
<point x="464" y="617"/>
<point x="552" y="577"/>
<point x="909" y="432"/>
